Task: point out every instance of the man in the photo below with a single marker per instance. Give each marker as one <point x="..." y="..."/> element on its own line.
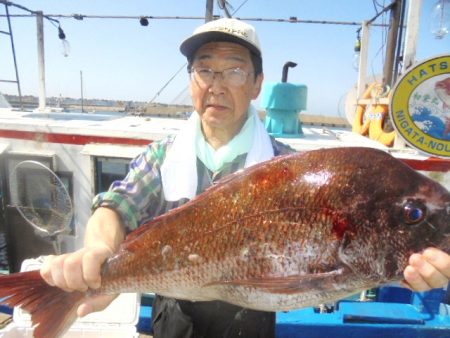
<point x="222" y="136"/>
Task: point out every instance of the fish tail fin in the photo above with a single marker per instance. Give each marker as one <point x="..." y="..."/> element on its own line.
<point x="52" y="309"/>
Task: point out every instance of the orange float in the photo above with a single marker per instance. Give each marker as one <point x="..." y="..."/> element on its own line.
<point x="376" y="115"/>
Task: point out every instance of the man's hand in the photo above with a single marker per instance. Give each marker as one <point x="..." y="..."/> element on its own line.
<point x="428" y="270"/>
<point x="81" y="270"/>
<point x="77" y="271"/>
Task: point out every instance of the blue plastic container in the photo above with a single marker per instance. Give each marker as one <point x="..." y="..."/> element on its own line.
<point x="283" y="102"/>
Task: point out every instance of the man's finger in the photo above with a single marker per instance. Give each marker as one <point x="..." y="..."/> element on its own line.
<point x="92" y="263"/>
<point x="73" y="273"/>
<point x="414" y="280"/>
<point x="439" y="259"/>
<point x="46" y="272"/>
<point x="428" y="272"/>
<point x="57" y="272"/>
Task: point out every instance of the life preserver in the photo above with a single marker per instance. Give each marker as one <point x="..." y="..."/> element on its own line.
<point x="376" y="126"/>
<point x="359" y="125"/>
<point x="373" y="125"/>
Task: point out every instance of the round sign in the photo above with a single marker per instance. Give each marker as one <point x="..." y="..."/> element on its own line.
<point x="420" y="106"/>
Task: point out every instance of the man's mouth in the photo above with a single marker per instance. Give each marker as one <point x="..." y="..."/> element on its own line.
<point x="216" y="106"/>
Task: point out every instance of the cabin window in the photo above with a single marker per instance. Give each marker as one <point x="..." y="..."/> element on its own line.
<point x="108" y="170"/>
<point x="4" y="265"/>
<point x="66" y="178"/>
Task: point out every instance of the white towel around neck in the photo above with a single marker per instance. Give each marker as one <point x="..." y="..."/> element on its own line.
<point x="179" y="169"/>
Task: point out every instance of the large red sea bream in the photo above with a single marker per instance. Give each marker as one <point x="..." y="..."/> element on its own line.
<point x="292" y="232"/>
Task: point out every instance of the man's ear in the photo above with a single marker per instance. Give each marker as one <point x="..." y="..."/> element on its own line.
<point x="258" y="84"/>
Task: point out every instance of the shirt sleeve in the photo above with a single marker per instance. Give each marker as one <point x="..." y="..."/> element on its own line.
<point x="141" y="188"/>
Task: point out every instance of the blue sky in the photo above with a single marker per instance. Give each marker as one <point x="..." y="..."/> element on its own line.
<point x="124" y="61"/>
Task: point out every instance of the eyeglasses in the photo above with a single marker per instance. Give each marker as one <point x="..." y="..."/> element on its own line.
<point x="231" y="77"/>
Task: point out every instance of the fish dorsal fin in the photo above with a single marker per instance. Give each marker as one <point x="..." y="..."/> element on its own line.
<point x="284" y="284"/>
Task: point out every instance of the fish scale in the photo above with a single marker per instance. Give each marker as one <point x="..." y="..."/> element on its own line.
<point x="291" y="232"/>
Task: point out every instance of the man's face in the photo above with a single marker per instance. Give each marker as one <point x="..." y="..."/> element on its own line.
<point x="220" y="104"/>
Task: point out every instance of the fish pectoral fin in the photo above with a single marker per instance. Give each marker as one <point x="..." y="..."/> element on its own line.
<point x="284" y="284"/>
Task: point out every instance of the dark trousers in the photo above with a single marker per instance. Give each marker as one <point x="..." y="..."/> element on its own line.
<point x="172" y="318"/>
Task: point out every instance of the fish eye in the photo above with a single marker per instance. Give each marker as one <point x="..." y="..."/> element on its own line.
<point x="414" y="212"/>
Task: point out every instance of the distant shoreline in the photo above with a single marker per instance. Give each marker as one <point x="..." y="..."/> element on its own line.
<point x="156" y="109"/>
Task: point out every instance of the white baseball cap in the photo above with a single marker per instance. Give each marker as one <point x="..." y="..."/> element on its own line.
<point x="226" y="30"/>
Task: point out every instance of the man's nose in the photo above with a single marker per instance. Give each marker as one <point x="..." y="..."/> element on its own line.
<point x="217" y="84"/>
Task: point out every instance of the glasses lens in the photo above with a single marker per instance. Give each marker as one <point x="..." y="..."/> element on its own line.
<point x="203" y="76"/>
<point x="231" y="77"/>
<point x="234" y="77"/>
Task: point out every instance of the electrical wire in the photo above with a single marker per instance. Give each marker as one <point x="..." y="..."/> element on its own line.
<point x="123" y="17"/>
<point x="182" y="96"/>
<point x="34" y="13"/>
<point x="225" y="6"/>
<point x="168" y="82"/>
<point x="239" y="7"/>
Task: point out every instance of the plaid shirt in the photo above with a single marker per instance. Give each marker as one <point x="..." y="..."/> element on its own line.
<point x="139" y="197"/>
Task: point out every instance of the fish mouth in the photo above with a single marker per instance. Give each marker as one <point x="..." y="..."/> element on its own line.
<point x="437" y="229"/>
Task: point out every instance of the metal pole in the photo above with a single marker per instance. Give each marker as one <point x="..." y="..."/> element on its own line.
<point x="411" y="34"/>
<point x="82" y="99"/>
<point x="209" y="10"/>
<point x="363" y="57"/>
<point x="14" y="56"/>
<point x="392" y="43"/>
<point x="410" y="47"/>
<point x="399" y="50"/>
<point x="41" y="59"/>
